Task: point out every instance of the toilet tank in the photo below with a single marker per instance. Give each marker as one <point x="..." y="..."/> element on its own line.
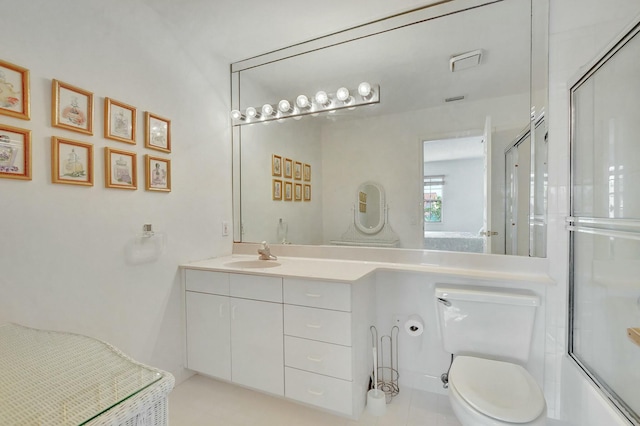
<point x="489" y="322"/>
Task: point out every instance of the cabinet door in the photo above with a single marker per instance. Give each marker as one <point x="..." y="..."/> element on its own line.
<point x="208" y="339"/>
<point x="257" y="345"/>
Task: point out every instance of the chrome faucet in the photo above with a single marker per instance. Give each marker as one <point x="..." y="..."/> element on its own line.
<point x="265" y="252"/>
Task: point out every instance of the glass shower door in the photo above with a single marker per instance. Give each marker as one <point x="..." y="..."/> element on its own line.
<point x="605" y="224"/>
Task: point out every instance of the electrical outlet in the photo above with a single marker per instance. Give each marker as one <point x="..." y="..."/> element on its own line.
<point x="225" y="228"/>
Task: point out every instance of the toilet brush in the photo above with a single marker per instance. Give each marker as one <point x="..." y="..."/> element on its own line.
<point x="376" y="399"/>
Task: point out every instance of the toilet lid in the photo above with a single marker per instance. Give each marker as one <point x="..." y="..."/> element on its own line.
<point x="501" y="390"/>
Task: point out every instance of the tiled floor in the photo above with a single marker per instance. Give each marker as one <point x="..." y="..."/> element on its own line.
<point x="201" y="401"/>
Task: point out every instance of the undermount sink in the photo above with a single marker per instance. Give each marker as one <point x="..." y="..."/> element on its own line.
<point x="253" y="264"/>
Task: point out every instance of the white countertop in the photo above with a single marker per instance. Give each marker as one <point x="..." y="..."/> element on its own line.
<point x="347" y="270"/>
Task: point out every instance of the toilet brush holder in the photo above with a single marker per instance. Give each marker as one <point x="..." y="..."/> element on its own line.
<point x="376" y="402"/>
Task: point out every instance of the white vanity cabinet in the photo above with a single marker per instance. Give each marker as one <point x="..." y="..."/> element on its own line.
<point x="234" y="328"/>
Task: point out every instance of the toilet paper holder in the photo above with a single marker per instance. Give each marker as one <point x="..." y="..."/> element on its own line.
<point x="387" y="374"/>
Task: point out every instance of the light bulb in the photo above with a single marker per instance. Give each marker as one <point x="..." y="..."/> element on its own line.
<point x="252" y="113"/>
<point x="364" y="89"/>
<point x="323" y="99"/>
<point x="303" y="102"/>
<point x="284" y="106"/>
<point x="267" y="110"/>
<point x="237" y="115"/>
<point x="342" y="94"/>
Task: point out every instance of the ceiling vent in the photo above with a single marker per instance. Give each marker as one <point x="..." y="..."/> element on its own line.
<point x="465" y="60"/>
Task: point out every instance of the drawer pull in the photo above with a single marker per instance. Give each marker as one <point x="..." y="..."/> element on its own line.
<point x="315" y="393"/>
<point x="314" y="325"/>
<point x="314" y="359"/>
<point x="313" y="295"/>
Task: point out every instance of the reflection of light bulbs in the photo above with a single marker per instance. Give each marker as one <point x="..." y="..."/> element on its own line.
<point x="252" y="113"/>
<point x="303" y="102"/>
<point x="237" y="115"/>
<point x="342" y="94"/>
<point x="267" y="110"/>
<point x="322" y="99"/>
<point x="364" y="89"/>
<point x="284" y="106"/>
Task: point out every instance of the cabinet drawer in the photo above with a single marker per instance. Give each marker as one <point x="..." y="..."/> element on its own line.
<point x="318" y="357"/>
<point x="318" y="294"/>
<point x="321" y="391"/>
<point x="207" y="281"/>
<point x="256" y="287"/>
<point x="318" y="324"/>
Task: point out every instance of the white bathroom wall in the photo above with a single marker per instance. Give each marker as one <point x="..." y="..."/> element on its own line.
<point x="579" y="31"/>
<point x="63" y="253"/>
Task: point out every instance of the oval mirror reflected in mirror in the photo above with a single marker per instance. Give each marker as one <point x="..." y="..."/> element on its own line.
<point x="370" y="208"/>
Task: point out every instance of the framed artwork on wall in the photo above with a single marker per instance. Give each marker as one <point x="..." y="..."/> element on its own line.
<point x="119" y="121"/>
<point x="120" y="169"/>
<point x="158" y="174"/>
<point x="157" y="133"/>
<point x="288" y="168"/>
<point x="297" y="170"/>
<point x="276" y="165"/>
<point x="288" y="191"/>
<point x="307" y="192"/>
<point x="307" y="173"/>
<point x="14" y="91"/>
<point x="297" y="192"/>
<point x="15" y="153"/>
<point x="71" y="162"/>
<point x="276" y="189"/>
<point x="72" y="108"/>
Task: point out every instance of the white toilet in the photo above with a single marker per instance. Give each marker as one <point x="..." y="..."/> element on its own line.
<point x="489" y="331"/>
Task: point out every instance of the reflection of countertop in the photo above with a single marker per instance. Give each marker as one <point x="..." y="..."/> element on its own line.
<point x="353" y="270"/>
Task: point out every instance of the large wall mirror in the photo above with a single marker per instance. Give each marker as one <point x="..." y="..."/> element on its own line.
<point x="451" y="87"/>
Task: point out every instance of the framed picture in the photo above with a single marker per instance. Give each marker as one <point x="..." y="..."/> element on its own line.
<point x="71" y="162"/>
<point x="307" y="192"/>
<point x="15" y="153"/>
<point x="119" y="121"/>
<point x="288" y="191"/>
<point x="120" y="169"/>
<point x="306" y="173"/>
<point x="72" y="108"/>
<point x="297" y="192"/>
<point x="14" y="91"/>
<point x="288" y="168"/>
<point x="158" y="174"/>
<point x="276" y="190"/>
<point x="297" y="171"/>
<point x="276" y="165"/>
<point x="157" y="133"/>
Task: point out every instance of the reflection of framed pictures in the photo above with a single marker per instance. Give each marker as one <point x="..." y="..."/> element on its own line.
<point x="307" y="192"/>
<point x="297" y="170"/>
<point x="276" y="165"/>
<point x="306" y="172"/>
<point x="288" y="168"/>
<point x="362" y="207"/>
<point x="297" y="192"/>
<point x="158" y="174"/>
<point x="120" y="169"/>
<point x="288" y="191"/>
<point x="14" y="91"/>
<point x="362" y="196"/>
<point x="15" y="153"/>
<point x="157" y="132"/>
<point x="72" y="108"/>
<point x="119" y="121"/>
<point x="71" y="162"/>
<point x="276" y="190"/>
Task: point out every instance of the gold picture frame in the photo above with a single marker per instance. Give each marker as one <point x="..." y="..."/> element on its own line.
<point x="297" y="170"/>
<point x="306" y="173"/>
<point x="119" y="121"/>
<point x="71" y="162"/>
<point x="276" y="189"/>
<point x="157" y="132"/>
<point x="288" y="191"/>
<point x="287" y="170"/>
<point x="157" y="174"/>
<point x="120" y="169"/>
<point x="71" y="108"/>
<point x="276" y="165"/>
<point x="297" y="192"/>
<point x="14" y="91"/>
<point x="307" y="193"/>
<point x="15" y="153"/>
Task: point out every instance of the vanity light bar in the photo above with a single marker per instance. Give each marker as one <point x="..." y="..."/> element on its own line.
<point x="364" y="94"/>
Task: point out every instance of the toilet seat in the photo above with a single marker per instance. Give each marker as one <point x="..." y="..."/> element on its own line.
<point x="500" y="390"/>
